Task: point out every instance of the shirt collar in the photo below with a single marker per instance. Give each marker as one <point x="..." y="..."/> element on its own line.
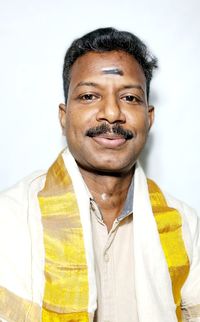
<point x="128" y="206"/>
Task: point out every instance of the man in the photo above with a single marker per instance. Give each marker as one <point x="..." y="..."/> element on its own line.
<point x="92" y="239"/>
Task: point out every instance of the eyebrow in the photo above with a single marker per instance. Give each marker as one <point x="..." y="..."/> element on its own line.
<point x="128" y="86"/>
<point x="87" y="84"/>
<point x="113" y="71"/>
<point x="134" y="86"/>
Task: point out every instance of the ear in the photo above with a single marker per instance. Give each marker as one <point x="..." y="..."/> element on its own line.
<point x="150" y="115"/>
<point x="62" y="116"/>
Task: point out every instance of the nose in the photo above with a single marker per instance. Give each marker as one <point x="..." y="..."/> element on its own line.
<point x="110" y="111"/>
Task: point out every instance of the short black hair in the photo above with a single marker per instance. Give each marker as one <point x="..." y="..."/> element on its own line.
<point x="109" y="39"/>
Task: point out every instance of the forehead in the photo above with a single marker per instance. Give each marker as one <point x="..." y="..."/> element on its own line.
<point x="115" y="63"/>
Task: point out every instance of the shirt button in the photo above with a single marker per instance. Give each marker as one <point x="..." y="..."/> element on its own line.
<point x="106" y="258"/>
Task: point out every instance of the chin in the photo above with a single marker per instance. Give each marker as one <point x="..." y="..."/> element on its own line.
<point x="106" y="163"/>
<point x="112" y="167"/>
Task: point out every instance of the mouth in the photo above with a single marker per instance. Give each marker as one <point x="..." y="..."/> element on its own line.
<point x="109" y="141"/>
<point x="110" y="137"/>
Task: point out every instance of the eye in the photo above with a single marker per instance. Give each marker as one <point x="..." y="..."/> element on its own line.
<point x="130" y="98"/>
<point x="88" y="97"/>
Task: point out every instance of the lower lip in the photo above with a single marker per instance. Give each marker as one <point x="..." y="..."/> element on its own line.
<point x="109" y="143"/>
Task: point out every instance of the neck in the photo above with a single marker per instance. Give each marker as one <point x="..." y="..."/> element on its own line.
<point x="109" y="192"/>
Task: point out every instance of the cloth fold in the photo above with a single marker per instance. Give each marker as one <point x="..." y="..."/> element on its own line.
<point x="158" y="296"/>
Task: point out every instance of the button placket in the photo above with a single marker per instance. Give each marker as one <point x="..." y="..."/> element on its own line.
<point x="106" y="257"/>
<point x="108" y="314"/>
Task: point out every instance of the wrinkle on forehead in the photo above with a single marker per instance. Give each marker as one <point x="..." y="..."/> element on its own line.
<point x="112" y="71"/>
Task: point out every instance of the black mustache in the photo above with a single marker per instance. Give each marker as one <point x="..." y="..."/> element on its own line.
<point x="105" y="128"/>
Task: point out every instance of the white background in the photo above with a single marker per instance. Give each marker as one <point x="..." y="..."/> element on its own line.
<point x="34" y="36"/>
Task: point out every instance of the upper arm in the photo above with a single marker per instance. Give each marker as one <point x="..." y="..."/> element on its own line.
<point x="190" y="292"/>
<point x="191" y="289"/>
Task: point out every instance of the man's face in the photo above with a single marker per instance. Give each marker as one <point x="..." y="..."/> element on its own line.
<point x="107" y="118"/>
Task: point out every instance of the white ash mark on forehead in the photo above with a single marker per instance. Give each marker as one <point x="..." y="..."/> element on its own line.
<point x="112" y="71"/>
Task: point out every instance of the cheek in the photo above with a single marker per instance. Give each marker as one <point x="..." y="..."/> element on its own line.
<point x="79" y="120"/>
<point x="139" y="122"/>
<point x="72" y="121"/>
<point x="146" y="125"/>
<point x="76" y="126"/>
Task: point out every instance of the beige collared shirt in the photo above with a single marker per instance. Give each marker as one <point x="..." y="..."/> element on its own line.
<point x="114" y="268"/>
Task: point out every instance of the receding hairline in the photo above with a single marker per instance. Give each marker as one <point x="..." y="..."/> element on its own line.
<point x="104" y="40"/>
<point x="108" y="70"/>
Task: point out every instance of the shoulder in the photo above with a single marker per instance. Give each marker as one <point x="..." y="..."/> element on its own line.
<point x="188" y="214"/>
<point x="16" y="198"/>
<point x="190" y="222"/>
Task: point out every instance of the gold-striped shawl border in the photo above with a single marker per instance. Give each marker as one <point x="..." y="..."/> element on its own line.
<point x="169" y="223"/>
<point x="49" y="316"/>
<point x="66" y="292"/>
<point x="16" y="309"/>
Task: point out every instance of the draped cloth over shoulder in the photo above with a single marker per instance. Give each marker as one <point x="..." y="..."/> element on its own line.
<point x="66" y="289"/>
<point x="157" y="241"/>
<point x="169" y="225"/>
